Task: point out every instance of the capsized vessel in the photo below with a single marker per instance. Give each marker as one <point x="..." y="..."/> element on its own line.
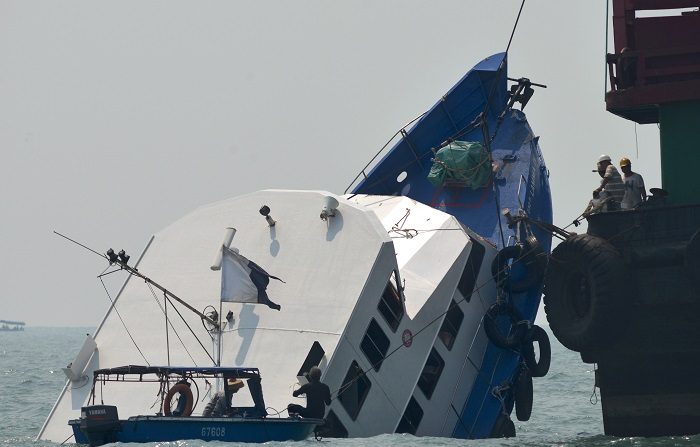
<point x="413" y="295"/>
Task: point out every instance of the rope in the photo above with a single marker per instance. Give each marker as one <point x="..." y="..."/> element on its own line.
<point x="594" y="395"/>
<point x="497" y="392"/>
<point x="114" y="306"/>
<point x="155" y="297"/>
<point x="167" y="332"/>
<point x="398" y="227"/>
<point x="515" y="25"/>
<point x="462" y="175"/>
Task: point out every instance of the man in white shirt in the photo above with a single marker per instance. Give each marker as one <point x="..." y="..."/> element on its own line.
<point x="635" y="192"/>
<point x="611" y="183"/>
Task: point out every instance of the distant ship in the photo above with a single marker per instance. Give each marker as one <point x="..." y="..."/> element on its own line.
<point x="414" y="293"/>
<point x="12" y="326"/>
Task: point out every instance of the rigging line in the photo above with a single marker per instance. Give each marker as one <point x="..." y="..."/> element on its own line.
<point x="108" y="273"/>
<point x="67" y="439"/>
<point x="78" y="243"/>
<point x="493" y="87"/>
<point x="114" y="306"/>
<point x="515" y="26"/>
<point x="155" y="297"/>
<point x="636" y="140"/>
<point x="167" y="332"/>
<point x="500" y="68"/>
<point x="192" y="332"/>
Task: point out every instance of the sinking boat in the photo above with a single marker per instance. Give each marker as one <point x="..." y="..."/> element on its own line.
<point x="414" y="292"/>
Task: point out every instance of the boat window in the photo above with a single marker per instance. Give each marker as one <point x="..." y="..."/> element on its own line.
<point x="471" y="270"/>
<point x="313" y="358"/>
<point x="354" y="390"/>
<point x="411" y="418"/>
<point x="431" y="373"/>
<point x="450" y="326"/>
<point x="333" y="428"/>
<point x="391" y="305"/>
<point x="375" y="344"/>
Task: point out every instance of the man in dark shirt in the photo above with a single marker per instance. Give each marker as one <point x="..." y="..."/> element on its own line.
<point x="318" y="395"/>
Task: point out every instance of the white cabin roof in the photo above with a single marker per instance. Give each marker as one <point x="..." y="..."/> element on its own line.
<point x="326" y="266"/>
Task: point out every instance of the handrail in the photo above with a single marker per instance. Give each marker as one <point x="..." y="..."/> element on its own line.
<point x="636" y="72"/>
<point x="398" y="132"/>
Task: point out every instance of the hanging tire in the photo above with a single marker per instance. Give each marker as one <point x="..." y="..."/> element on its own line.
<point x="185" y="400"/>
<point x="537" y="367"/>
<point x="527" y="255"/>
<point x="584" y="292"/>
<point x="503" y="428"/>
<point x="523" y="395"/>
<point x="513" y="338"/>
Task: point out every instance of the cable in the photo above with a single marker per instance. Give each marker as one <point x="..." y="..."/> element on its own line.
<point x="114" y="306"/>
<point x="515" y="25"/>
<point x="155" y="297"/>
<point x="186" y="324"/>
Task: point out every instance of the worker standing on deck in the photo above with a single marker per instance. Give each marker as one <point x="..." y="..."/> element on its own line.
<point x="635" y="191"/>
<point x="318" y="395"/>
<point x="611" y="183"/>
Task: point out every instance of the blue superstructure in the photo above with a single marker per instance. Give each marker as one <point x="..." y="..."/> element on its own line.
<point x="520" y="182"/>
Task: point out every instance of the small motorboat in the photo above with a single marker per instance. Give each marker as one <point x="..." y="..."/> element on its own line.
<point x="178" y="392"/>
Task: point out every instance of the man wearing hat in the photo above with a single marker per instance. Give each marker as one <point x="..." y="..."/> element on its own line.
<point x="635" y="191"/>
<point x="611" y="184"/>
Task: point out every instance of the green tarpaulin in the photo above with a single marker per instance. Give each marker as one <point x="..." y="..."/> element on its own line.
<point x="464" y="163"/>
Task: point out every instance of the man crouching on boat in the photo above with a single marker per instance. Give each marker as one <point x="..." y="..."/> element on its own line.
<point x="318" y="395"/>
<point x="219" y="406"/>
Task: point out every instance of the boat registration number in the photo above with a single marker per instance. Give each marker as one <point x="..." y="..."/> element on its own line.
<point x="213" y="432"/>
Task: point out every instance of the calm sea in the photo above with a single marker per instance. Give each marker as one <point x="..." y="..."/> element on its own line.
<point x="563" y="414"/>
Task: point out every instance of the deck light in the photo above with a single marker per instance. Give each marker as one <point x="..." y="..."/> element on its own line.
<point x="265" y="211"/>
<point x="330" y="204"/>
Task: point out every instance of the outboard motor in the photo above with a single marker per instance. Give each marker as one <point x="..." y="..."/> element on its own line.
<point x="100" y="423"/>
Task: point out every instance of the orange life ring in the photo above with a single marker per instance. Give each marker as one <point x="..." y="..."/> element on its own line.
<point x="183" y="409"/>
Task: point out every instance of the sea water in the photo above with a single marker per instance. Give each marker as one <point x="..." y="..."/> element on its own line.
<point x="566" y="410"/>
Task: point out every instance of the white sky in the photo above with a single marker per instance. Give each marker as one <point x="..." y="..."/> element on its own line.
<point x="117" y="118"/>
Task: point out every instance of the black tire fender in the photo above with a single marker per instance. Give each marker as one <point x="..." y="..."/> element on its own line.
<point x="537" y="367"/>
<point x="517" y="329"/>
<point x="528" y="255"/>
<point x="523" y="395"/>
<point x="584" y="293"/>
